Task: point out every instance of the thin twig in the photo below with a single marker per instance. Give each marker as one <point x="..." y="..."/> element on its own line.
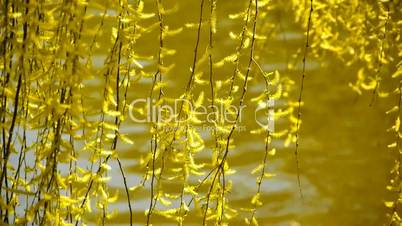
<point x="300" y="99"/>
<point x="241" y="102"/>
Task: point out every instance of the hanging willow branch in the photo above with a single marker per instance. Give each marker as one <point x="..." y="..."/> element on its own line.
<point x="155" y="137"/>
<point x="220" y="167"/>
<point x="380" y="58"/>
<point x="300" y="98"/>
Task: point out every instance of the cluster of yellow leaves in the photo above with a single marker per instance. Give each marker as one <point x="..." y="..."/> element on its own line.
<point x="367" y="35"/>
<point x="53" y="123"/>
<point x="48" y="64"/>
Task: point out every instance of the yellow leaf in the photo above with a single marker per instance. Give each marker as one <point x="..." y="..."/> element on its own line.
<point x="393" y="145"/>
<point x="389" y="204"/>
<point x="397" y="124"/>
<point x="165" y="202"/>
<point x="125" y="139"/>
<point x="257" y="169"/>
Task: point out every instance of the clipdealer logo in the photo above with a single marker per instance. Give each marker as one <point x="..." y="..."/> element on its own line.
<point x="146" y="110"/>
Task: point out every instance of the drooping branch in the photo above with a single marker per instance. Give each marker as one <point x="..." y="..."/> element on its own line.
<point x="299" y="101"/>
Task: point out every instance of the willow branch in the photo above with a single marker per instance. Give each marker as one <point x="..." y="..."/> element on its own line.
<point x="296" y="153"/>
